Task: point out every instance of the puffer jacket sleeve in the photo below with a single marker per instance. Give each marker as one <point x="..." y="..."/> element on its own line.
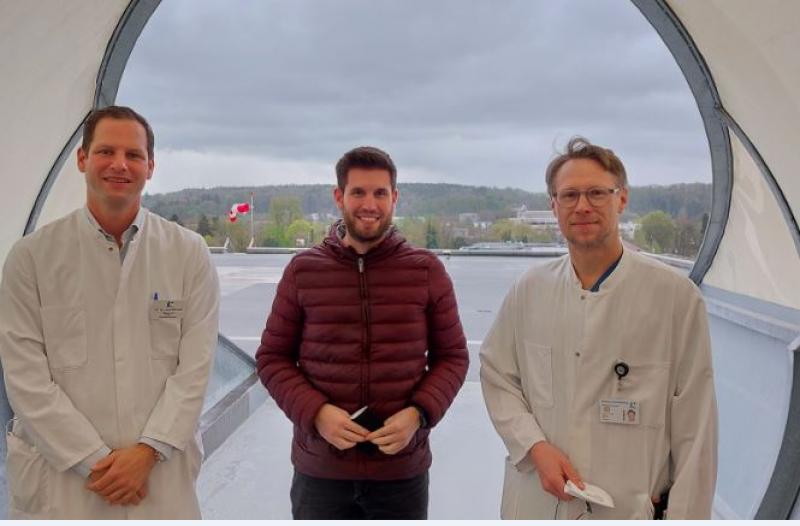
<point x="448" y="359"/>
<point x="277" y="357"/>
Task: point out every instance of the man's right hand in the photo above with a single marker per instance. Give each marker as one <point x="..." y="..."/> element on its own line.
<point x="335" y="426"/>
<point x="135" y="499"/>
<point x="125" y="473"/>
<point x="554" y="469"/>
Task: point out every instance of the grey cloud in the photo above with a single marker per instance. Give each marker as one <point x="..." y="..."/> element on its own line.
<point x="478" y="91"/>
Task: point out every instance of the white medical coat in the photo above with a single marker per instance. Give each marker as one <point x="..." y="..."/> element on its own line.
<point x="85" y="364"/>
<point x="548" y="360"/>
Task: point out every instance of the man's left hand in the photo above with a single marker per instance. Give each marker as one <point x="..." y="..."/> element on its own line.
<point x="126" y="473"/>
<point x="397" y="431"/>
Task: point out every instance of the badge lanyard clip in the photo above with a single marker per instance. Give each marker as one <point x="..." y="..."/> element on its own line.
<point x="621" y="369"/>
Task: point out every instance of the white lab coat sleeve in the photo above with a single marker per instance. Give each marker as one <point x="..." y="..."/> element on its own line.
<point x="84" y="467"/>
<point x="164" y="450"/>
<point x="62" y="434"/>
<point x="693" y="435"/>
<point x="175" y="415"/>
<point x="509" y="410"/>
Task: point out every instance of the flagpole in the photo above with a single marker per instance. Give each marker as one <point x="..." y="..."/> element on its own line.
<point x="252" y="220"/>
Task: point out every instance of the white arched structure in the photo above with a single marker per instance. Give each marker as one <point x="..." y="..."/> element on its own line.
<point x="58" y="60"/>
<point x="739" y="58"/>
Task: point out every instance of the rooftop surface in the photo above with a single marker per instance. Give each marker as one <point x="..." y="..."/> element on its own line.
<point x="249" y="476"/>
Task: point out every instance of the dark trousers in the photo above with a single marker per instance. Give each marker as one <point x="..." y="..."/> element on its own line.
<point x="319" y="499"/>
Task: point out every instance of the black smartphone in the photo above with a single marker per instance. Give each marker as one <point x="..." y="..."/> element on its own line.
<point x="369" y="421"/>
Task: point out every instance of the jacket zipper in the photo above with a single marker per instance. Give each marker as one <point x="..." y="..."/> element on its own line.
<point x="365" y="335"/>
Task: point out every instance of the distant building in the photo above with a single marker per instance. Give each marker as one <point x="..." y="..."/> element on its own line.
<point x="469" y="218"/>
<point x="533" y="217"/>
<point x="460" y="231"/>
<point x="536" y="218"/>
<point x="628" y="228"/>
<point x="518" y="210"/>
<point x="495" y="245"/>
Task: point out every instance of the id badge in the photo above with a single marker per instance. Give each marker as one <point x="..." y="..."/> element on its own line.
<point x="619" y="412"/>
<point x="167" y="309"/>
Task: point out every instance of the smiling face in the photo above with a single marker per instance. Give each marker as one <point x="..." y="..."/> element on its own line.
<point x="367" y="204"/>
<point x="116" y="165"/>
<point x="586" y="226"/>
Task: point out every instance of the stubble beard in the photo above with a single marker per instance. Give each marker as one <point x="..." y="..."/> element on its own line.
<point x="353" y="231"/>
<point x="590" y="244"/>
<point x="602" y="240"/>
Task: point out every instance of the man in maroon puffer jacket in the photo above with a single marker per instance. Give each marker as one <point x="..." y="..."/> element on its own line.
<point x="363" y="320"/>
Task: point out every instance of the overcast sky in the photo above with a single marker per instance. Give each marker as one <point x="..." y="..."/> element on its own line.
<point x="478" y="92"/>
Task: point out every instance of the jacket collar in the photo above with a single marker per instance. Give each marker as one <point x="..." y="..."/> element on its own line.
<point x="334" y="244"/>
<point x="133" y="229"/>
<point x="611" y="281"/>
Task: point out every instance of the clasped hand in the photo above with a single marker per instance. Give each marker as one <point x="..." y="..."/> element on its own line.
<point x="336" y="427"/>
<point x="121" y="477"/>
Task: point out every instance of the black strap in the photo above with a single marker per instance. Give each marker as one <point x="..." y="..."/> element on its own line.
<point x="660" y="508"/>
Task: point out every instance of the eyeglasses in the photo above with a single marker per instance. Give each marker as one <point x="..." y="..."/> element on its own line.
<point x="597" y="196"/>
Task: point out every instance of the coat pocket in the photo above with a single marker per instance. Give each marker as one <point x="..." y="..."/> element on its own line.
<point x="165" y="337"/>
<point x="64" y="331"/>
<point x="28" y="480"/>
<point x="536" y="372"/>
<point x="511" y="487"/>
<point x="523" y="496"/>
<point x="648" y="384"/>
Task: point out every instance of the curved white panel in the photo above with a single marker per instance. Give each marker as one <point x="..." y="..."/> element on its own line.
<point x="751" y="49"/>
<point x="49" y="56"/>
<point x="752" y="414"/>
<point x="757" y="256"/>
<point x="67" y="193"/>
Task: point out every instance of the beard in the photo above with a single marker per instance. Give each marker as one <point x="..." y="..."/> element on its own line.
<point x="363" y="235"/>
<point x="588" y="244"/>
<point x="602" y="239"/>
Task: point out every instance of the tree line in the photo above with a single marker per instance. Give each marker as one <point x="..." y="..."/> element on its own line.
<point x="670" y="219"/>
<point x="660" y="233"/>
<point x="689" y="200"/>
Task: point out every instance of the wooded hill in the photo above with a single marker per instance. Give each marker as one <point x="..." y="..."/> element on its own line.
<point x="686" y="201"/>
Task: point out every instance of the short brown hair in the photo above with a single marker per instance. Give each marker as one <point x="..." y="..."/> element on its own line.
<point x="580" y="148"/>
<point x="365" y="157"/>
<point x="119" y="113"/>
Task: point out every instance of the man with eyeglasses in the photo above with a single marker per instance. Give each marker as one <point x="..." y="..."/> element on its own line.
<point x="597" y="369"/>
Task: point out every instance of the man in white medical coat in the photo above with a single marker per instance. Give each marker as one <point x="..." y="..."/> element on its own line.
<point x="108" y="323"/>
<point x="598" y="367"/>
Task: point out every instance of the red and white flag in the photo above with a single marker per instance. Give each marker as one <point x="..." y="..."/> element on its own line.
<point x="236" y="209"/>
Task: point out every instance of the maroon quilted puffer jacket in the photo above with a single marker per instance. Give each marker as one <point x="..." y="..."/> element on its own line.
<point x="381" y="330"/>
